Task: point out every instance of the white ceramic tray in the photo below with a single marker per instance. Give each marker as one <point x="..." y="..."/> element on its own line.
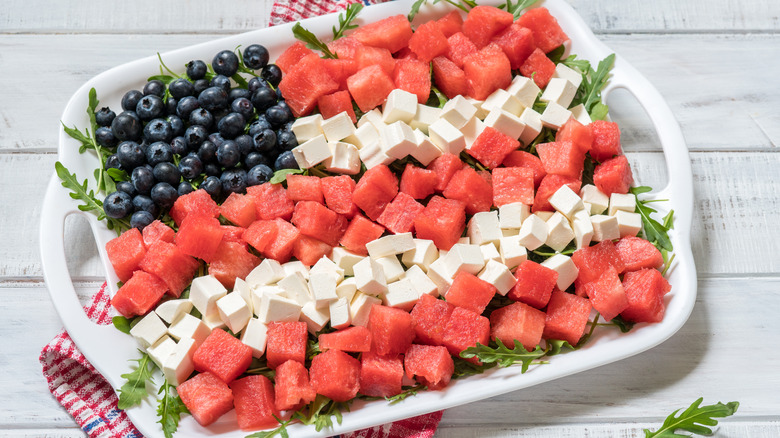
<point x="110" y="350"/>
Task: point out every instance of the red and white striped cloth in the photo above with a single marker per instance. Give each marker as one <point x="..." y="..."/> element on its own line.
<point x="285" y="11"/>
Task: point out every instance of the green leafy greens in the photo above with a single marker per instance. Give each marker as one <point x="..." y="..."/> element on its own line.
<point x="134" y="389"/>
<point x="311" y="40"/>
<point x="321" y="412"/>
<point x="518" y="8"/>
<point x="281" y="430"/>
<point x="463" y="5"/>
<point x="81" y="192"/>
<point x="170" y="409"/>
<point x="593" y="81"/>
<point x="503" y="355"/>
<point x="696" y="419"/>
<point x="655" y="232"/>
<point x="345" y="22"/>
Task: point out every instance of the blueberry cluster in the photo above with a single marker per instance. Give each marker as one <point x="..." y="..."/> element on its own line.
<point x="198" y="131"/>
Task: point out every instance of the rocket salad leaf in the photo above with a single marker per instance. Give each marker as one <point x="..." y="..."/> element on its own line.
<point x="345" y="22"/>
<point x="503" y="355"/>
<point x="696" y="419"/>
<point x="134" y="389"/>
<point x="170" y="409"/>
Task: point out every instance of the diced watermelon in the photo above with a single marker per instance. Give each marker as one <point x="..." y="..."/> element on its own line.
<point x="534" y="285"/>
<point x="367" y="56"/>
<point x="450" y="24"/>
<point x="442" y="221"/>
<point x="294" y="53"/>
<point x="293" y="389"/>
<point x="171" y="265"/>
<point x="380" y="376"/>
<point x="470" y="292"/>
<point x="370" y="87"/>
<point x="198" y="202"/>
<point x="538" y="67"/>
<point x="417" y="182"/>
<point x="484" y="22"/>
<point x="355" y="339"/>
<point x="513" y="184"/>
<point x="254" y="399"/>
<point x="393" y="33"/>
<point x="260" y="234"/>
<point x="561" y="158"/>
<point x="469" y="187"/>
<point x="567" y="317"/>
<point x="222" y="355"/>
<point x="309" y="250"/>
<point x="465" y="329"/>
<point x="376" y="188"/>
<point x="606" y="140"/>
<point x="548" y="34"/>
<point x="344" y="47"/>
<point x="405" y="53"/>
<point x="126" y="252"/>
<point x="517" y="42"/>
<point x="139" y="294"/>
<point x="637" y="253"/>
<point x="281" y="247"/>
<point x="315" y="220"/>
<point x="594" y="260"/>
<point x="304" y="188"/>
<point x="645" y="290"/>
<point x="577" y="133"/>
<point x="239" y="209"/>
<point x="156" y="231"/>
<point x="207" y="397"/>
<point x="549" y="185"/>
<point x="335" y="375"/>
<point x="431" y="366"/>
<point x="359" y="232"/>
<point x="517" y="321"/>
<point x="527" y="160"/>
<point x="492" y="146"/>
<point x="305" y="83"/>
<point x="234" y="234"/>
<point x="231" y="261"/>
<point x="286" y="341"/>
<point x="337" y="191"/>
<point x="607" y="295"/>
<point x="199" y="237"/>
<point x="399" y="215"/>
<point x="413" y="76"/>
<point x="334" y="104"/>
<point x="459" y="48"/>
<point x="428" y="42"/>
<point x="449" y="78"/>
<point x="613" y="176"/>
<point x="391" y="330"/>
<point x="445" y="166"/>
<point x="429" y="319"/>
<point x="486" y="71"/>
<point x="271" y="201"/>
<point x="340" y="70"/>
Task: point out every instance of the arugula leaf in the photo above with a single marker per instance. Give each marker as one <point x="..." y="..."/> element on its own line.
<point x="321" y="411"/>
<point x="311" y="40"/>
<point x="518" y="8"/>
<point x="345" y="22"/>
<point x="170" y="409"/>
<point x="622" y="324"/>
<point x="599" y="111"/>
<point x="134" y="390"/>
<point x="464" y="368"/>
<point x="93" y="103"/>
<point x="597" y="82"/>
<point x="655" y="232"/>
<point x="415" y="9"/>
<point x="281" y="175"/>
<point x="463" y="5"/>
<point x="281" y="430"/>
<point x="583" y="65"/>
<point x="695" y="419"/>
<point x="81" y="192"/>
<point x="408" y="391"/>
<point x="122" y="324"/>
<point x="556" y="346"/>
<point x="503" y="355"/>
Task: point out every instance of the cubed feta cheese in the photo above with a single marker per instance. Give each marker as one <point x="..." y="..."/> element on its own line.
<point x="421" y="282"/>
<point x="277" y="308"/>
<point x="555" y="115"/>
<point x="604" y="227"/>
<point x="566" y="201"/>
<point x="213" y="321"/>
<point x="363" y="136"/>
<point x="339" y="314"/>
<point x="472" y="130"/>
<point x="560" y="232"/>
<point x="360" y="308"/>
<point x="424" y="117"/>
<point x="390" y="245"/>
<point x="426" y="151"/>
<point x="525" y="90"/>
<point x="628" y="223"/>
<point x="373" y="117"/>
<point x="160" y="351"/>
<point x="499" y="275"/>
<point x="506" y="123"/>
<point x="188" y="326"/>
<point x="565" y="267"/>
<point x="306" y="128"/>
<point x="580" y="114"/>
<point x="296" y="266"/>
<point x="323" y="288"/>
<point x="347" y="288"/>
<point x="401" y="294"/>
<point x="490" y="252"/>
<point x="345" y="259"/>
<point x="370" y="277"/>
<point x="171" y="310"/>
<point x="324" y="264"/>
<point x="149" y="330"/>
<point x="544" y="215"/>
<point x="560" y="91"/>
<point x="312" y="152"/>
<point x="447" y="137"/>
<point x="512" y="251"/>
<point x="204" y="293"/>
<point x="178" y="366"/>
<point x="372" y="155"/>
<point x="242" y="288"/>
<point x="502" y="100"/>
<point x="234" y="311"/>
<point x="400" y="105"/>
<point x="484" y="228"/>
<point x="397" y="140"/>
<point x="345" y="159"/>
<point x="315" y="317"/>
<point x="481" y="113"/>
<point x="391" y="267"/>
<point x="338" y="127"/>
<point x="296" y="287"/>
<point x="533" y="125"/>
<point x="254" y="336"/>
<point x="621" y="202"/>
<point x="260" y="292"/>
<point x="596" y="198"/>
<point x="565" y="72"/>
<point x="583" y="231"/>
<point x="463" y="257"/>
<point x="458" y="111"/>
<point x="437" y="272"/>
<point x="422" y="255"/>
<point x="269" y="271"/>
<point x="511" y="216"/>
<point x="533" y="232"/>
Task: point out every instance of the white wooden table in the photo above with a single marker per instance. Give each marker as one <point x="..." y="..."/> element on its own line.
<point x="715" y="62"/>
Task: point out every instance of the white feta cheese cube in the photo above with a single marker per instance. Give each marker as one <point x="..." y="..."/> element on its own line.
<point x="421" y="282"/>
<point x="390" y="245"/>
<point x="315" y="317"/>
<point x="345" y="259"/>
<point x="338" y="127"/>
<point x="512" y="251"/>
<point x="499" y="275"/>
<point x="565" y="72"/>
<point x="323" y="289"/>
<point x="490" y="252"/>
<point x="277" y="308"/>
<point x="312" y="152"/>
<point x="565" y="267"/>
<point x="463" y="257"/>
<point x="437" y="272"/>
<point x="484" y="228"/>
<point x="188" y="326"/>
<point x="269" y="271"/>
<point x="400" y="105"/>
<point x="326" y="265"/>
<point x="234" y="311"/>
<point x="472" y="130"/>
<point x="347" y="288"/>
<point x="533" y="125"/>
<point x="502" y="100"/>
<point x="213" y="321"/>
<point x="391" y="267"/>
<point x="621" y="202"/>
<point x="360" y="308"/>
<point x="397" y="140"/>
<point x="296" y="266"/>
<point x="555" y="115"/>
<point x="178" y="366"/>
<point x="345" y="159"/>
<point x="544" y="215"/>
<point x="401" y="294"/>
<point x="583" y="231"/>
<point x="254" y="336"/>
<point x="364" y="135"/>
<point x="507" y="232"/>
<point x="566" y="201"/>
<point x="426" y="151"/>
<point x="242" y="288"/>
<point x="533" y="232"/>
<point x="447" y="137"/>
<point x="422" y="255"/>
<point x="373" y="117"/>
<point x="596" y="198"/>
<point x="511" y="216"/>
<point x="260" y="292"/>
<point x="604" y="227"/>
<point x="296" y="287"/>
<point x="628" y="223"/>
<point x="171" y="310"/>
<point x="372" y="155"/>
<point x="306" y="128"/>
<point x="560" y="232"/>
<point x="481" y="113"/>
<point x="370" y="277"/>
<point x="458" y="111"/>
<point x="580" y="114"/>
<point x="160" y="351"/>
<point x="560" y="91"/>
<point x="506" y="123"/>
<point x="204" y="293"/>
<point x="424" y="117"/>
<point x="525" y="90"/>
<point x="339" y="314"/>
<point x="149" y="330"/>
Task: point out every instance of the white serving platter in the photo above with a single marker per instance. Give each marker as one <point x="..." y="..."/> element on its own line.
<point x="110" y="351"/>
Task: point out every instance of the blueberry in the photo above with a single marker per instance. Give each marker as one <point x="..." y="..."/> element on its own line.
<point x="213" y="186"/>
<point x="142" y="179"/>
<point x="130" y="100"/>
<point x="190" y="167"/>
<point x="233" y="180"/>
<point x="179" y="146"/>
<point x="236" y="93"/>
<point x="283" y="105"/>
<point x="273" y="74"/>
<point x="118" y="205"/>
<point x="259" y="125"/>
<point x="200" y="85"/>
<point x="212" y="169"/>
<point x="259" y="174"/>
<point x="170" y="105"/>
<point x="127" y="126"/>
<point x="207" y="152"/>
<point x="150" y="107"/>
<point x="276" y="116"/>
<point x="228" y="154"/>
<point x="186" y="106"/>
<point x="279" y="93"/>
<point x="245" y="144"/>
<point x="202" y="117"/>
<point x="130" y="155"/>
<point x="255" y="84"/>
<point x="154" y="87"/>
<point x="159" y="152"/>
<point x="221" y="81"/>
<point x="265" y="140"/>
<point x="196" y="69"/>
<point x="164" y="195"/>
<point x="253" y="158"/>
<point x="180" y="88"/>
<point x="195" y="135"/>
<point x="167" y="172"/>
<point x="263" y="99"/>
<point x="285" y="160"/>
<point x="216" y="138"/>
<point x="145" y="203"/>
<point x="127" y="187"/>
<point x="104" y="116"/>
<point x="158" y="130"/>
<point x="213" y="98"/>
<point x="285" y="140"/>
<point x="105" y="137"/>
<point x="177" y="125"/>
<point x="255" y="57"/>
<point x="243" y="106"/>
<point x="112" y="162"/>
<point x="225" y="63"/>
<point x="232" y="125"/>
<point x="184" y="188"/>
<point x="140" y="219"/>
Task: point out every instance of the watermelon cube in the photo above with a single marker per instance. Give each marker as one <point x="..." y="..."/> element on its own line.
<point x="316" y="220"/>
<point x="207" y="397"/>
<point x="291" y="55"/>
<point x="428" y="42"/>
<point x="391" y="330"/>
<point x="223" y="356"/>
<point x="198" y="202"/>
<point x="605" y="140"/>
<point x="577" y="133"/>
<point x="470" y="292"/>
<point x="567" y="317"/>
<point x="484" y="22"/>
<point x="465" y="329"/>
<point x="399" y="215"/>
<point x="337" y="191"/>
<point x="593" y="261"/>
<point x="430" y="365"/>
<point x="171" y="265"/>
<point x="304" y="188"/>
<point x="549" y="185"/>
<point x="417" y="182"/>
<point x="517" y="42"/>
<point x="139" y="294"/>
<point x="286" y="341"/>
<point x="548" y="34"/>
<point x="233" y="234"/>
<point x="376" y="188"/>
<point x="442" y="220"/>
<point x="534" y="285"/>
<point x="450" y="24"/>
<point x="335" y="375"/>
<point x="527" y="160"/>
<point x="413" y="76"/>
<point x="199" y="236"/>
<point x="538" y="67"/>
<point x="513" y="184"/>
<point x="645" y="290"/>
<point x="283" y="244"/>
<point x="366" y="56"/>
<point x="392" y="33"/>
<point x="254" y="400"/>
<point x="459" y="48"/>
<point x="293" y="388"/>
<point x="613" y="176"/>
<point x="492" y="146"/>
<point x="607" y="295"/>
<point x="231" y="261"/>
<point x="309" y="250"/>
<point x="429" y="319"/>
<point x="637" y="253"/>
<point x="355" y="339"/>
<point x="561" y="158"/>
<point x="306" y="82"/>
<point x="381" y="376"/>
<point x="260" y="234"/>
<point x="470" y="188"/>
<point x="333" y="104"/>
<point x="344" y="47"/>
<point x="340" y="70"/>
<point x="486" y="71"/>
<point x="359" y="232"/>
<point x="239" y="209"/>
<point x="271" y="201"/>
<point x="158" y="231"/>
<point x="517" y="321"/>
<point x="449" y="78"/>
<point x="126" y="252"/>
<point x="370" y="87"/>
